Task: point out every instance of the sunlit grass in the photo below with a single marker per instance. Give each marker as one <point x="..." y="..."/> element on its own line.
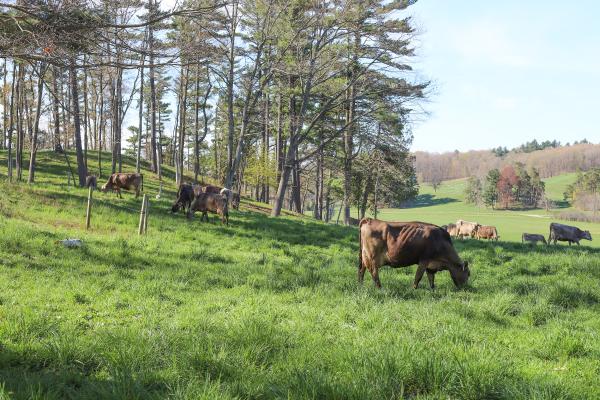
<point x="270" y="308"/>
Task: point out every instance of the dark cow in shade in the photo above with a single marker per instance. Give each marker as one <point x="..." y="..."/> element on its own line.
<point x="566" y="233"/>
<point x="125" y="181"/>
<point x="185" y="196"/>
<point x="400" y="244"/>
<point x="533" y="238"/>
<point x="210" y="202"/>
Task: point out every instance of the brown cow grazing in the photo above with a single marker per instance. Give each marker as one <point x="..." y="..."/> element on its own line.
<point x="533" y="238"/>
<point x="210" y="202"/>
<point x="119" y="181"/>
<point x="185" y="196"/>
<point x="400" y="244"/>
<point x="486" y="232"/>
<point x="212" y="189"/>
<point x="566" y="233"/>
<point x="232" y="197"/>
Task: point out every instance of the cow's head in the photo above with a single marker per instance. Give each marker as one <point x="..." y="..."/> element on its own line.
<point x="106" y="187"/>
<point x="460" y="273"/>
<point x="586" y="235"/>
<point x="474" y="231"/>
<point x="175" y="207"/>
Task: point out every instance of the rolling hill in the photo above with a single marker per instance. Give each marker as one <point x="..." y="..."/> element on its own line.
<point x="447" y="205"/>
<point x="270" y="308"/>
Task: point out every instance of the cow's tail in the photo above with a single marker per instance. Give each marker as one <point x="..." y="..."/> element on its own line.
<point x="360" y="224"/>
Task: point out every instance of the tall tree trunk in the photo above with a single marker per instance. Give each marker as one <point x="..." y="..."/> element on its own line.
<point x="36" y="126"/>
<point x="264" y="151"/>
<point x="86" y="127"/>
<point x="102" y="132"/>
<point x="279" y="151"/>
<point x="141" y="117"/>
<point x="4" y="107"/>
<point x="20" y="119"/>
<point x="153" y="106"/>
<point x="56" y="110"/>
<point x="230" y="83"/>
<point x="11" y="126"/>
<point x="197" y="125"/>
<point x="182" y="122"/>
<point x="81" y="171"/>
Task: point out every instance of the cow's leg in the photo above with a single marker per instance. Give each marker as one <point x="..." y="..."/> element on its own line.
<point x="375" y="275"/>
<point x="361" y="273"/>
<point x="419" y="274"/>
<point x="119" y="193"/>
<point x="577" y="241"/>
<point x="137" y="192"/>
<point x="431" y="278"/>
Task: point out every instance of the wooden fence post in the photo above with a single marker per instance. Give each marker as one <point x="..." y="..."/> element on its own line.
<point x="88" y="214"/>
<point x="142" y="215"/>
<point x="146" y="216"/>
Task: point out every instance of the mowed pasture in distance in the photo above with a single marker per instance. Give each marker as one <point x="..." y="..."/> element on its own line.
<point x="447" y="205"/>
<point x="270" y="308"/>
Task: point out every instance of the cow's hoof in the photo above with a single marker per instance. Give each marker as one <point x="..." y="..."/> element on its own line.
<point x="415" y="286"/>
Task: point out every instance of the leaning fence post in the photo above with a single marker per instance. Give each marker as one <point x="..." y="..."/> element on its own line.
<point x="88" y="214"/>
<point x="146" y="216"/>
<point x="142" y="215"/>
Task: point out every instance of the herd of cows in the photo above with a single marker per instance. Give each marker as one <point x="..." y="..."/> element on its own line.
<point x="190" y="198"/>
<point x="396" y="244"/>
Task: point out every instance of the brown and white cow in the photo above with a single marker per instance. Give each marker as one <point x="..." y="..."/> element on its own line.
<point x="466" y="228"/>
<point x="533" y="238"/>
<point x="232" y="197"/>
<point x="127" y="181"/>
<point x="486" y="232"/>
<point x="566" y="233"/>
<point x="210" y="202"/>
<point x="400" y="244"/>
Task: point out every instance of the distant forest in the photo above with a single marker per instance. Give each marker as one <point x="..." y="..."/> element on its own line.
<point x="550" y="159"/>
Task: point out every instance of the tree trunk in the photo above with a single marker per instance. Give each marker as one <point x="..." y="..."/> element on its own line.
<point x="182" y="122"/>
<point x="140" y="117"/>
<point x="11" y="125"/>
<point x="20" y="118"/>
<point x="153" y="107"/>
<point x="36" y="126"/>
<point x="4" y="107"/>
<point x="81" y="171"/>
<point x="284" y="179"/>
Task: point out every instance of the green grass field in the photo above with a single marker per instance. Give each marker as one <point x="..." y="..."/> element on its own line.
<point x="270" y="308"/>
<point x="447" y="205"/>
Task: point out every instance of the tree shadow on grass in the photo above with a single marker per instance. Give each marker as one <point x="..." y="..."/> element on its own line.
<point x="427" y="200"/>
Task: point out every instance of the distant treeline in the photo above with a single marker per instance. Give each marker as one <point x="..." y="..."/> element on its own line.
<point x="433" y="168"/>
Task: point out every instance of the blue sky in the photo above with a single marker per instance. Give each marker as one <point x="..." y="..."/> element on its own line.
<point x="505" y="72"/>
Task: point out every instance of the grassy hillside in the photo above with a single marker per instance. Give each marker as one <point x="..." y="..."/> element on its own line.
<point x="269" y="308"/>
<point x="447" y="205"/>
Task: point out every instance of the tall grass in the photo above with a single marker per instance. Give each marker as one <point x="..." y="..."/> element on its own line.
<point x="270" y="308"/>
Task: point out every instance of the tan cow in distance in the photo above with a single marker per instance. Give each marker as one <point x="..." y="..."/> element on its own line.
<point x="486" y="232"/>
<point x="466" y="228"/>
<point x="400" y="244"/>
<point x="127" y="181"/>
